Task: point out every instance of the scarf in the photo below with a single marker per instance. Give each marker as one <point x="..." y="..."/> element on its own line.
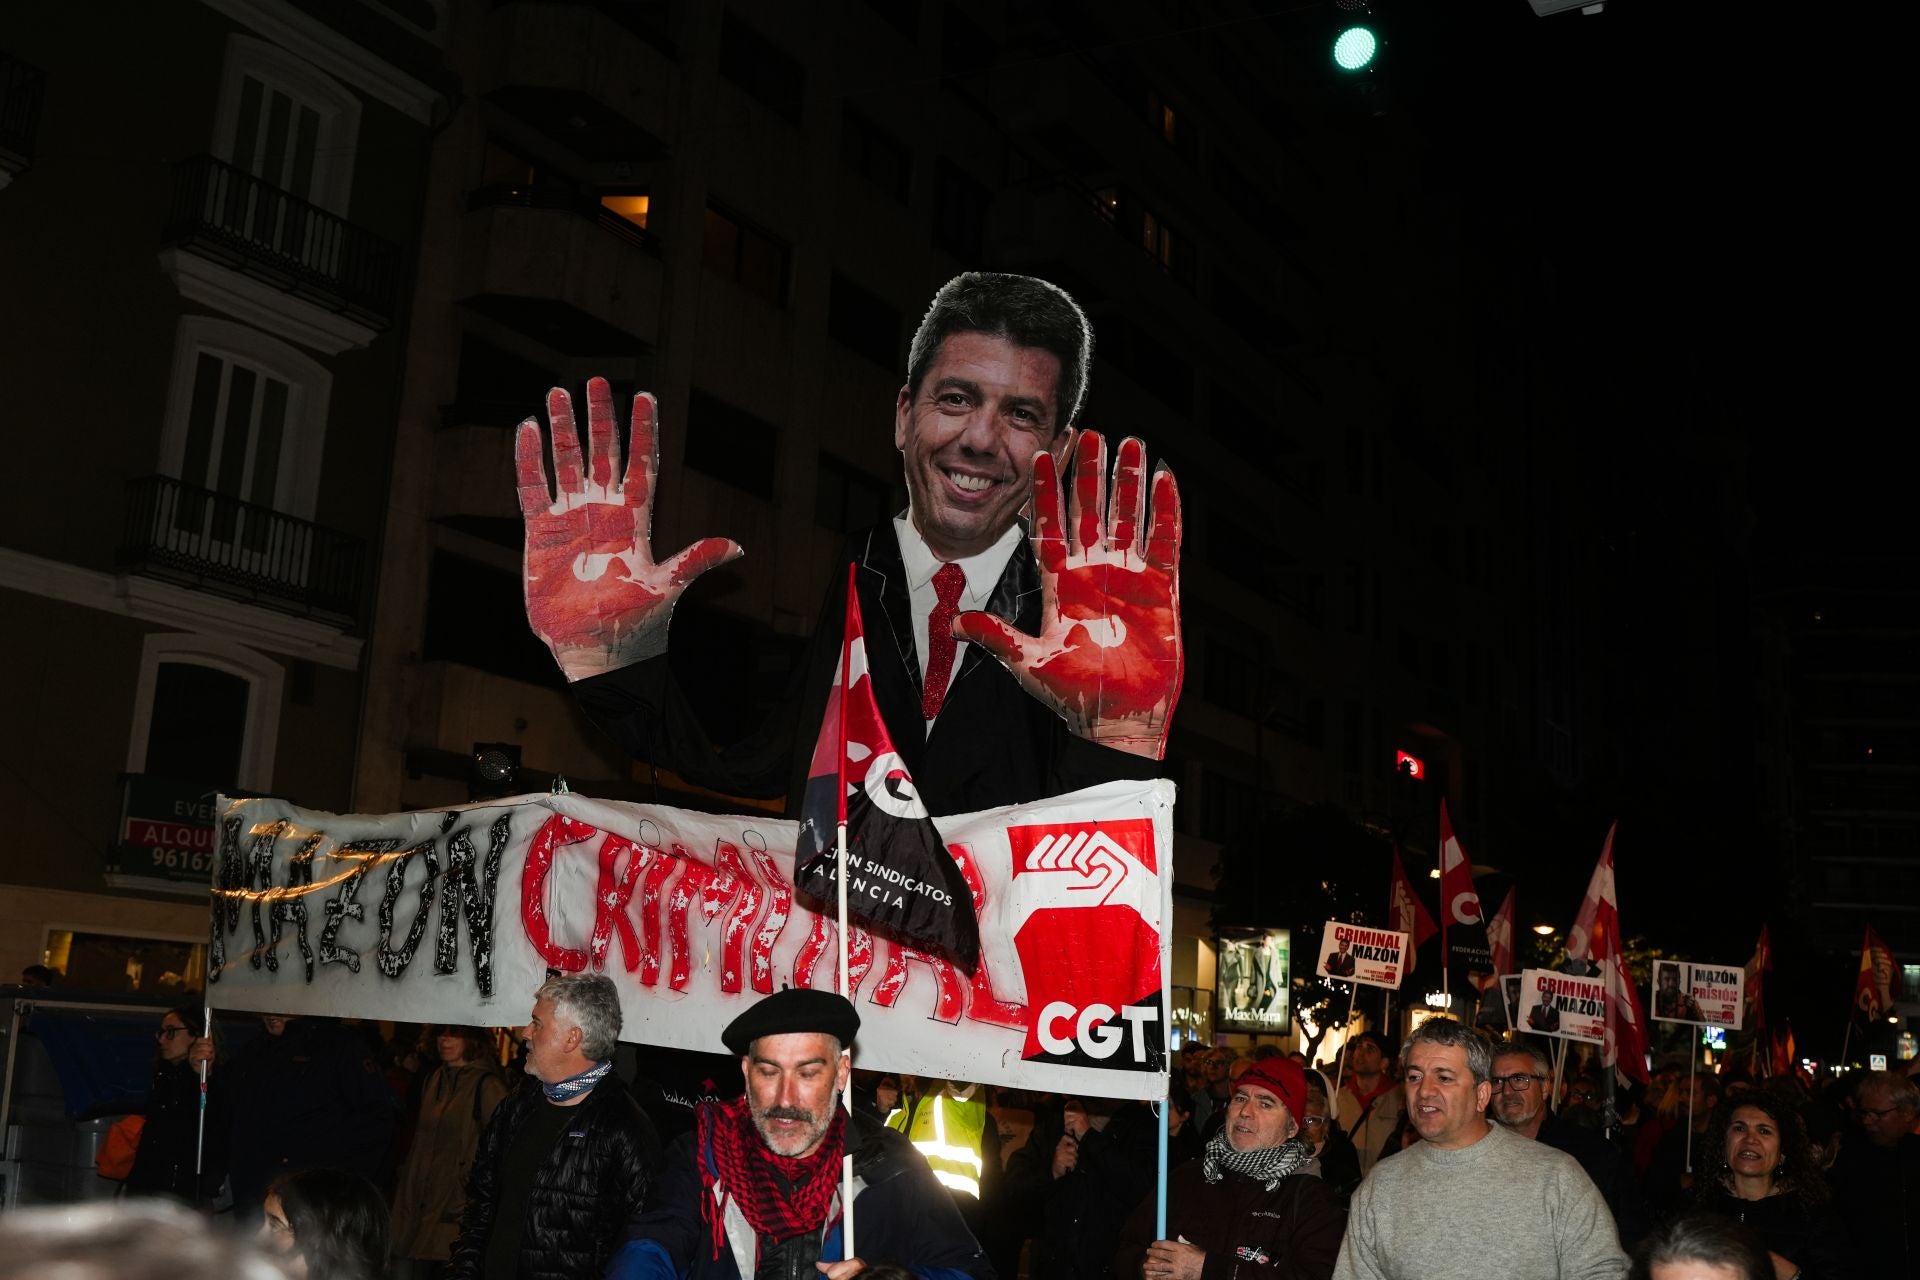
<point x="1266" y="1166"/>
<point x="574" y="1086"/>
<point x="743" y="1167"/>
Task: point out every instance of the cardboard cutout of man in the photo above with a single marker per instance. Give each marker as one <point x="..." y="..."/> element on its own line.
<point x="1080" y="612"/>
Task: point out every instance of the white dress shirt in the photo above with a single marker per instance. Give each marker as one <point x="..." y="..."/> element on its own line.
<point x="983" y="574"/>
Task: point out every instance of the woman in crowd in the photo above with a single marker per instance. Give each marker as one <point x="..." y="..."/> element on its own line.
<point x="1757" y="1168"/>
<point x="1701" y="1246"/>
<point x="163" y="1164"/>
<point x="456" y="1100"/>
<point x="1255" y="1195"/>
<point x="327" y="1224"/>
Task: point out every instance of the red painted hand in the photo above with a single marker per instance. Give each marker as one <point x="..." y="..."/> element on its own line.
<point x="594" y="593"/>
<point x="1108" y="655"/>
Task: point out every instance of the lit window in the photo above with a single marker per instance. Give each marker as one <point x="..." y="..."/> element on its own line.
<point x="630" y="207"/>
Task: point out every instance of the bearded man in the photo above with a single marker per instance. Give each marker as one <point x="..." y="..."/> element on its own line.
<point x="754" y="1193"/>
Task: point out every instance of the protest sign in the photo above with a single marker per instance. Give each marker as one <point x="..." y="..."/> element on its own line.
<point x="1510" y="993"/>
<point x="1710" y="994"/>
<point x="457" y="916"/>
<point x="1559" y="1004"/>
<point x="1354" y="953"/>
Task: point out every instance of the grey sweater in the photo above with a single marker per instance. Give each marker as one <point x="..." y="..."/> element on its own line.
<point x="1503" y="1208"/>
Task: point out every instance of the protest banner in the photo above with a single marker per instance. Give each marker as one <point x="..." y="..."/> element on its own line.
<point x="694" y="917"/>
<point x="1709" y="994"/>
<point x="1559" y="1004"/>
<point x="1354" y="953"/>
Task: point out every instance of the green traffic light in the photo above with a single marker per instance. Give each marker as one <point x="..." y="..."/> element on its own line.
<point x="1355" y="48"/>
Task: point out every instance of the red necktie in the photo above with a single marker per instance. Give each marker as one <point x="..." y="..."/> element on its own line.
<point x="940" y="641"/>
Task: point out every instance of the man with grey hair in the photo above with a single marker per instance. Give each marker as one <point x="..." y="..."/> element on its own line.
<point x="565" y="1162"/>
<point x="1876" y="1179"/>
<point x="1471" y="1199"/>
<point x="1522" y="1079"/>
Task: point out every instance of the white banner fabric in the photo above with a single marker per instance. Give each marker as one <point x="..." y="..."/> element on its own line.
<point x="457" y="916"/>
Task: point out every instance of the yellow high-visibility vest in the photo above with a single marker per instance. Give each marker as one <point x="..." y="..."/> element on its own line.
<point x="949" y="1132"/>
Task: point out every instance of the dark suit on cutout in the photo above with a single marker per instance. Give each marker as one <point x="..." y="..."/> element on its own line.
<point x="991" y="745"/>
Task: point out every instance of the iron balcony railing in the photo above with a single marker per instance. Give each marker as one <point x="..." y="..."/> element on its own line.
<point x="239" y="549"/>
<point x="21" y="88"/>
<point x="233" y="217"/>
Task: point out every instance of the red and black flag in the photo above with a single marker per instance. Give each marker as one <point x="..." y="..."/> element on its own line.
<point x="901" y="881"/>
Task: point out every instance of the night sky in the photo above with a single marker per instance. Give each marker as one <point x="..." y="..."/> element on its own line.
<point x="1713" y="186"/>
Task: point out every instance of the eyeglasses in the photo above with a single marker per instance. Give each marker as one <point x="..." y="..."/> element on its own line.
<point x="168" y="1033"/>
<point x="1519" y="1082"/>
<point x="1879" y="1113"/>
<point x="1313" y="1122"/>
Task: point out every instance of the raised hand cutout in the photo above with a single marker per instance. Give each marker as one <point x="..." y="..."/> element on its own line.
<point x="1108" y="655"/>
<point x="595" y="595"/>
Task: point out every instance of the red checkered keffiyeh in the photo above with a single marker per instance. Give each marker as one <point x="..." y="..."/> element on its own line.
<point x="743" y="1168"/>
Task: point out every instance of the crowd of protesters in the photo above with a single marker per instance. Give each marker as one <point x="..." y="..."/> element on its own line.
<point x="460" y="1152"/>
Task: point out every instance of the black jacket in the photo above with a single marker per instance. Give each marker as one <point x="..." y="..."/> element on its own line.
<point x="901" y="1216"/>
<point x="1611" y="1172"/>
<point x="594" y="1181"/>
<point x="309" y="1098"/>
<point x="163" y="1162"/>
<point x="992" y="745"/>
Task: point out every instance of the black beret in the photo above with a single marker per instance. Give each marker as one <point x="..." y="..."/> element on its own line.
<point x="797" y="1009"/>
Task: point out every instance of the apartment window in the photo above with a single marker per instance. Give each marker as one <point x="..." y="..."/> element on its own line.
<point x="1231" y="677"/>
<point x="246" y="417"/>
<point x="751" y="258"/>
<point x="959" y="212"/>
<point x="847" y="499"/>
<point x="1149" y="230"/>
<point x="205" y="711"/>
<point x="286" y="123"/>
<point x="876" y="155"/>
<point x="864" y="322"/>
<point x="728" y="443"/>
<point x="630" y="207"/>
<point x="765" y="71"/>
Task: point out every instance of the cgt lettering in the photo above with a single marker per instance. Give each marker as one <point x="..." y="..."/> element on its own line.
<point x="1093" y="1029"/>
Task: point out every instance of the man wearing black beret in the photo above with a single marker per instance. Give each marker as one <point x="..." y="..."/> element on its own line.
<point x="753" y="1193"/>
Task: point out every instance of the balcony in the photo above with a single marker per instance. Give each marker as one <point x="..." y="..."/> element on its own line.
<point x="21" y="89"/>
<point x="216" y="543"/>
<point x="557" y="267"/>
<point x="245" y="241"/>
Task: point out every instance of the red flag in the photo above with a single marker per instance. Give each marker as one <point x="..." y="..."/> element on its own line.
<point x="1406" y="913"/>
<point x="900" y="878"/>
<point x="1873" y="993"/>
<point x="1595" y="938"/>
<point x="1500" y="937"/>
<point x="1463" y="926"/>
<point x="1783" y="1051"/>
<point x="1756" y="981"/>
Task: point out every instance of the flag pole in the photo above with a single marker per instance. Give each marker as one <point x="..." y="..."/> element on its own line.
<point x="840" y="881"/>
<point x="200" y="1140"/>
<point x="1693" y="1055"/>
<point x="1166" y="1094"/>
<point x="1559" y="1065"/>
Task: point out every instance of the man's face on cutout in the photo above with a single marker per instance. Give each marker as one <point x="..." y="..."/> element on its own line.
<point x="968" y="437"/>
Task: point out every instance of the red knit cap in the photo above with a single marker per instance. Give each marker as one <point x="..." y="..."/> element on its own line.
<point x="1282" y="1077"/>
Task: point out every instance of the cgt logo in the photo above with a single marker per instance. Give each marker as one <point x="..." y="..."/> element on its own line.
<point x="1087" y="899"/>
<point x="1094" y="1032"/>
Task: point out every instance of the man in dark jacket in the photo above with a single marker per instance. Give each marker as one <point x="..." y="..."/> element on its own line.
<point x="1252" y="1205"/>
<point x="980" y="717"/>
<point x="755" y="1191"/>
<point x="565" y="1162"/>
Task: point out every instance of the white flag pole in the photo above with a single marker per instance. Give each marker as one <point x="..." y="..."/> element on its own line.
<point x="840" y="882"/>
